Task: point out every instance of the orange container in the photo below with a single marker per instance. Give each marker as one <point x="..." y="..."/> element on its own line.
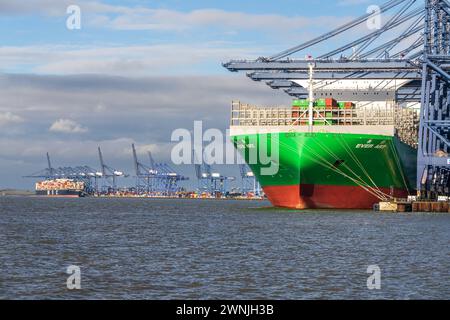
<point x="349" y="105"/>
<point x="330" y="102"/>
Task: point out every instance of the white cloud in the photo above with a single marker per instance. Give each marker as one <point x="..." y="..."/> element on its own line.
<point x="119" y="60"/>
<point x="143" y="60"/>
<point x="100" y="14"/>
<point x="143" y="110"/>
<point x="55" y="7"/>
<point x="149" y="19"/>
<point x="67" y="126"/>
<point x="8" y="118"/>
<point x="76" y="150"/>
<point x="143" y="150"/>
<point x="352" y="2"/>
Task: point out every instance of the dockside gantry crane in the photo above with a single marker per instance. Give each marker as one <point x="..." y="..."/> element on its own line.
<point x="409" y="51"/>
<point x="210" y="182"/>
<point x="143" y="174"/>
<point x="109" y="176"/>
<point x="157" y="178"/>
<point x="249" y="181"/>
<point x="84" y="174"/>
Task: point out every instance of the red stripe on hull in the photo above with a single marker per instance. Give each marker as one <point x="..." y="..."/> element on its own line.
<point x="325" y="197"/>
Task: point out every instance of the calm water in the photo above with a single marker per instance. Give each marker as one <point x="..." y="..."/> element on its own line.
<point x="187" y="249"/>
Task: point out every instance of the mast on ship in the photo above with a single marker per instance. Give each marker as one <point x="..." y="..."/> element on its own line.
<point x="311" y="96"/>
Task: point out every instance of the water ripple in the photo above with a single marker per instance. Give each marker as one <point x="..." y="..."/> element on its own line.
<point x="188" y="249"/>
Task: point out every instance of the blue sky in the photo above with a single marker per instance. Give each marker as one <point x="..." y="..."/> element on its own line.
<point x="39" y="24"/>
<point x="225" y="29"/>
<point x="136" y="71"/>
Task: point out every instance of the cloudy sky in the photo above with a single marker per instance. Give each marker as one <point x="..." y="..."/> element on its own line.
<point x="134" y="72"/>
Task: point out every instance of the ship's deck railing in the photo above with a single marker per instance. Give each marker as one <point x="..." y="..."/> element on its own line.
<point x="404" y="120"/>
<point x="247" y="115"/>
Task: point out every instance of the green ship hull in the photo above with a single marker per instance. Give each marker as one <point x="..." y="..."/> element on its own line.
<point x="329" y="170"/>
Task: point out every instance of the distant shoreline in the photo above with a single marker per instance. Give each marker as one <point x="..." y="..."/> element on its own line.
<point x="15" y="192"/>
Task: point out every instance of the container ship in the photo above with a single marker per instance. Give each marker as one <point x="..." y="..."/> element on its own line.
<point x="66" y="188"/>
<point x="330" y="154"/>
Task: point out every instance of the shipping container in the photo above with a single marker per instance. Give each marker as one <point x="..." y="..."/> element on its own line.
<point x="60" y="184"/>
<point x="303" y="104"/>
<point x="349" y="105"/>
<point x="320" y="103"/>
<point x="330" y="104"/>
<point x="295" y="112"/>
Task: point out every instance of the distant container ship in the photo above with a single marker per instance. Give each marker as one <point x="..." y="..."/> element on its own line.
<point x="60" y="188"/>
<point x="346" y="155"/>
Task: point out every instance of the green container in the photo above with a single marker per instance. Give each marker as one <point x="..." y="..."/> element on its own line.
<point x="320" y="103"/>
<point x="341" y="105"/>
<point x="300" y="103"/>
<point x="329" y="115"/>
<point x="319" y="122"/>
<point x="296" y="103"/>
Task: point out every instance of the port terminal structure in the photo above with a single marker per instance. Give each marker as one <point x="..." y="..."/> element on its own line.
<point x="109" y="176"/>
<point x="210" y="183"/>
<point x="96" y="182"/>
<point x="155" y="178"/>
<point x="86" y="174"/>
<point x="152" y="179"/>
<point x="250" y="185"/>
<point x="406" y="59"/>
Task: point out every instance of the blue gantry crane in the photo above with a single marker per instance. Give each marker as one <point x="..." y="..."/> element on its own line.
<point x="156" y="178"/>
<point x="433" y="168"/>
<point x="145" y="176"/>
<point x="249" y="182"/>
<point x="210" y="182"/>
<point x="167" y="179"/>
<point x="108" y="176"/>
<point x="85" y="174"/>
<point x="409" y="51"/>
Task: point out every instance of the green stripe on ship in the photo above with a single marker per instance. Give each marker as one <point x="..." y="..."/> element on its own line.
<point x="333" y="159"/>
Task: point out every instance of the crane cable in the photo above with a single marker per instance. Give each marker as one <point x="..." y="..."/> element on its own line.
<point x="330" y="166"/>
<point x="360" y="183"/>
<point x="374" y="188"/>
<point x="355" y="159"/>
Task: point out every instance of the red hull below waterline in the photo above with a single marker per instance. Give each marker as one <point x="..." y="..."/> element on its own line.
<point x="325" y="197"/>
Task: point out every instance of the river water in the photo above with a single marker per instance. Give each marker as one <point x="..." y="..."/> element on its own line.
<point x="208" y="249"/>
